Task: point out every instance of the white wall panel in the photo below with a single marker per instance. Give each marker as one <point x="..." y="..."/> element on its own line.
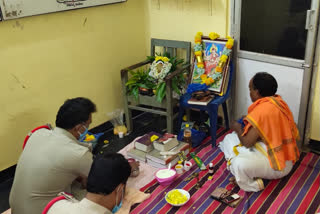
<point x="289" y="84"/>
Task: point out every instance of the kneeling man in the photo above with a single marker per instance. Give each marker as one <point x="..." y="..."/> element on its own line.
<point x="53" y="159"/>
<point x="263" y="144"/>
<point x="106" y="188"/>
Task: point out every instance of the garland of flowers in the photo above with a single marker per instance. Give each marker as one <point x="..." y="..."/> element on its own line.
<point x="198" y="52"/>
<point x="160" y="67"/>
<point x="151" y="82"/>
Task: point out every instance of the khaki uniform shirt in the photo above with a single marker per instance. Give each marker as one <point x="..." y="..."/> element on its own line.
<point x="50" y="162"/>
<point x="85" y="206"/>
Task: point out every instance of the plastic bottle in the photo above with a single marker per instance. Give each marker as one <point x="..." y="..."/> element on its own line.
<point x="187" y="136"/>
<point x="211" y="169"/>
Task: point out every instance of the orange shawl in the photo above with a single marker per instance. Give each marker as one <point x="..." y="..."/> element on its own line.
<point x="273" y="120"/>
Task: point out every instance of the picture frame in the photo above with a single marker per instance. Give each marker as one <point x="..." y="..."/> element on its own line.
<point x="212" y="51"/>
<point x="22" y="8"/>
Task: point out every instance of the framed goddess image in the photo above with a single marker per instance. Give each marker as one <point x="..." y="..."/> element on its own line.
<point x="212" y="51"/>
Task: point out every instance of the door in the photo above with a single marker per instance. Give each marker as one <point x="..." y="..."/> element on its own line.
<point x="277" y="37"/>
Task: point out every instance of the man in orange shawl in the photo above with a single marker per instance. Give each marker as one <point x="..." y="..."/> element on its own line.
<point x="264" y="146"/>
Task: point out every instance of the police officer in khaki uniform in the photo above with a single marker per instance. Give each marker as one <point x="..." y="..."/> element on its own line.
<point x="53" y="159"/>
<point x="106" y="188"/>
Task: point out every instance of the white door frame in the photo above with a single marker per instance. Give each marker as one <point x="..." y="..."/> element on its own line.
<point x="311" y="25"/>
<point x="312" y="87"/>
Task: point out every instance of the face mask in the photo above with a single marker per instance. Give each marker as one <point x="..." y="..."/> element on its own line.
<point x="83" y="135"/>
<point x="117" y="207"/>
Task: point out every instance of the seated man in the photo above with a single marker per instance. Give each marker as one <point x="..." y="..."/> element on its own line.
<point x="53" y="159"/>
<point x="265" y="145"/>
<point x="106" y="188"/>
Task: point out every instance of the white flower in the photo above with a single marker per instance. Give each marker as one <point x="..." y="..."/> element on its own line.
<point x="159" y="69"/>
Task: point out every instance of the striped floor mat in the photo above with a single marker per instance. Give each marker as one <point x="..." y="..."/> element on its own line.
<point x="298" y="192"/>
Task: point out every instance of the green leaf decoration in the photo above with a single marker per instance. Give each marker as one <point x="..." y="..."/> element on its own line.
<point x="161" y="91"/>
<point x="140" y="78"/>
<point x="175" y="85"/>
<point x="135" y="92"/>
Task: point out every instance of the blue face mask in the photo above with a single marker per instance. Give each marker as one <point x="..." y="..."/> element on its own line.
<point x="83" y="135"/>
<point x="118" y="206"/>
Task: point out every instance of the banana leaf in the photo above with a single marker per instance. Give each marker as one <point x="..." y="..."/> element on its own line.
<point x="161" y="92"/>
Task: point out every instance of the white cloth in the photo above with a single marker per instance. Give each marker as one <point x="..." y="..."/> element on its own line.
<point x="250" y="165"/>
<point x="146" y="172"/>
<point x="85" y="206"/>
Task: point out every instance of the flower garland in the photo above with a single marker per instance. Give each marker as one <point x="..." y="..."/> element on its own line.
<point x="198" y="52"/>
<point x="160" y="67"/>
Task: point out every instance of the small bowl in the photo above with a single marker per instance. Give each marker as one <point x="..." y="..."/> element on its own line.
<point x="187" y="165"/>
<point x="184" y="192"/>
<point x="134" y="171"/>
<point x="165" y="181"/>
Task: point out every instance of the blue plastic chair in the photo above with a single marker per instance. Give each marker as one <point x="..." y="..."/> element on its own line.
<point x="211" y="108"/>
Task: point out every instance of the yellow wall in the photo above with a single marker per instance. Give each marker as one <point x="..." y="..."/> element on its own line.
<point x="315" y="116"/>
<point x="182" y="19"/>
<point x="48" y="58"/>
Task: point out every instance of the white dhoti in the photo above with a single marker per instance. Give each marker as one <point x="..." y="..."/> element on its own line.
<point x="250" y="165"/>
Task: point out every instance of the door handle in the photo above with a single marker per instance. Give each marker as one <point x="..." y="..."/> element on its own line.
<point x="304" y="65"/>
<point x="309" y="25"/>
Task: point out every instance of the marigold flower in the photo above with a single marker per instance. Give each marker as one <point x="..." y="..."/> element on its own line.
<point x="203" y="76"/>
<point x="218" y="69"/>
<point x="230" y="43"/>
<point x="165" y="59"/>
<point x="223" y="58"/>
<point x="162" y="58"/>
<point x="198" y="53"/>
<point x="200" y="65"/>
<point x="213" y="36"/>
<point x="197" y="39"/>
<point x="157" y="58"/>
<point x="209" y="81"/>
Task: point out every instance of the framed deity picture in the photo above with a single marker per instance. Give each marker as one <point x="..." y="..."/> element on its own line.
<point x="212" y="51"/>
